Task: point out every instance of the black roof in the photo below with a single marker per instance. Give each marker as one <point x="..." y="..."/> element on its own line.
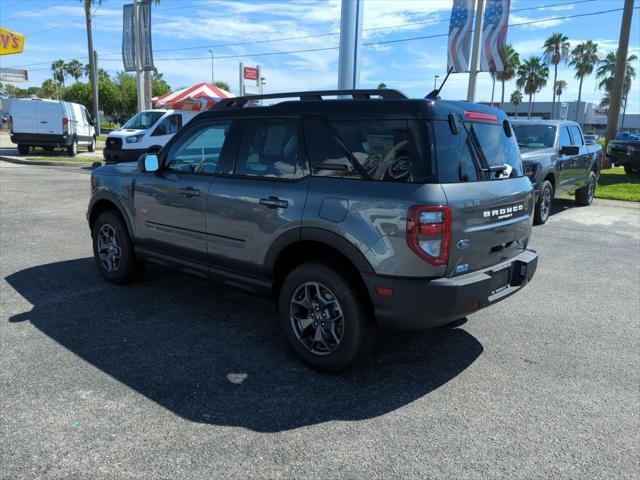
<point x="394" y="104"/>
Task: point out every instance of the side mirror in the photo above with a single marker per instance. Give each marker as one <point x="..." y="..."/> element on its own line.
<point x="149" y="162"/>
<point x="570" y="150"/>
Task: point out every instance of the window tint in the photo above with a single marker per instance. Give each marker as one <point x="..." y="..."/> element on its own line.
<point x="168" y="126"/>
<point x="269" y="148"/>
<point x="198" y="151"/>
<point x="576" y="135"/>
<point x="455" y="162"/>
<point x="565" y="139"/>
<point x="491" y="144"/>
<point x="143" y="120"/>
<point x="383" y="150"/>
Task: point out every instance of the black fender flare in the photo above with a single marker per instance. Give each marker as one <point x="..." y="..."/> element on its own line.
<point x="112" y="198"/>
<point x="320" y="235"/>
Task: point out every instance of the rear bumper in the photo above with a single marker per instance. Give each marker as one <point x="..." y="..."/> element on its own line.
<point x="624" y="159"/>
<point x="419" y="304"/>
<point x="41" y="139"/>
<point x="124" y="155"/>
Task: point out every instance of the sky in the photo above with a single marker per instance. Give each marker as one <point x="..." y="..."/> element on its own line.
<point x="185" y="30"/>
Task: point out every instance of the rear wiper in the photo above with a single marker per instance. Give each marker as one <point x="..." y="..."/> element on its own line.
<point x="496" y="169"/>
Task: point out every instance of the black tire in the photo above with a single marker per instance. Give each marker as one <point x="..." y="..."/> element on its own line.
<point x="128" y="266"/>
<point x="92" y="145"/>
<point x="544" y="204"/>
<point x="23" y="149"/>
<point x="584" y="195"/>
<point x="631" y="170"/>
<point x="357" y="333"/>
<point x="72" y="150"/>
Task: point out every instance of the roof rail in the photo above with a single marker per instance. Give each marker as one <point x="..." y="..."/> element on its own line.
<point x="237" y="102"/>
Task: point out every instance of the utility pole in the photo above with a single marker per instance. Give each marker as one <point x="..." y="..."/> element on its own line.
<point x="350" y="44"/>
<point x="93" y="67"/>
<point x="618" y="79"/>
<point x="140" y="90"/>
<point x="475" y="53"/>
<point x="212" y="78"/>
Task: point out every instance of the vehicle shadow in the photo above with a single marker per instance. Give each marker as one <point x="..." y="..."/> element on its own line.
<point x="562" y="204"/>
<point x="212" y="354"/>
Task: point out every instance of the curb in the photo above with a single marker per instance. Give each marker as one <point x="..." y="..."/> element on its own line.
<point x="45" y="162"/>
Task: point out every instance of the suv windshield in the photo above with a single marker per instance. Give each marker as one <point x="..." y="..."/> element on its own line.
<point x="143" y="120"/>
<point x="535" y="136"/>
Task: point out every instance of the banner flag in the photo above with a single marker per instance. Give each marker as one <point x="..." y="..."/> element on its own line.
<point x="460" y="35"/>
<point x="494" y="35"/>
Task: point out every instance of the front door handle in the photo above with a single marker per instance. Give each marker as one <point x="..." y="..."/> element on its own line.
<point x="189" y="192"/>
<point x="274" y="202"/>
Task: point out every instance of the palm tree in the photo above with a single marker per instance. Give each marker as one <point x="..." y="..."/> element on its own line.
<point x="561" y="86"/>
<point x="74" y="68"/>
<point x="532" y="76"/>
<point x="555" y="51"/>
<point x="606" y="71"/>
<point x="583" y="58"/>
<point x="59" y="73"/>
<point x="516" y="99"/>
<point x="511" y="64"/>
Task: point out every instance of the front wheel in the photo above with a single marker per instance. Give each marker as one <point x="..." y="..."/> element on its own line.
<point x="113" y="249"/>
<point x="325" y="317"/>
<point x="543" y="205"/>
<point x="584" y="195"/>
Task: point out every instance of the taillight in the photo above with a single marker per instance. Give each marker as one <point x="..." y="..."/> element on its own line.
<point x="429" y="233"/>
<point x="486" y="117"/>
<point x="65" y="125"/>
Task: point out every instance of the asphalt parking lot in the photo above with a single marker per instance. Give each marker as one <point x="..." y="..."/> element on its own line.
<point x="173" y="377"/>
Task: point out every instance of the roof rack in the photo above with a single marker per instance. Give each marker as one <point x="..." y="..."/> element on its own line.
<point x="237" y="102"/>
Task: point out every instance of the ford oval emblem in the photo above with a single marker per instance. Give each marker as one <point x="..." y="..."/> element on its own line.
<point x="464" y="243"/>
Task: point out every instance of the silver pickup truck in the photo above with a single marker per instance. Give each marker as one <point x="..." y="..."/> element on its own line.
<point x="557" y="160"/>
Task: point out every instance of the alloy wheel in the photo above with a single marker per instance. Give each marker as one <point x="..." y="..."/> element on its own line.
<point x="109" y="250"/>
<point x="592" y="188"/>
<point x="316" y="318"/>
<point x="545" y="205"/>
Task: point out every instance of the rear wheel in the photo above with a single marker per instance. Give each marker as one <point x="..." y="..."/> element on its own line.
<point x="113" y="249"/>
<point x="72" y="150"/>
<point x="584" y="195"/>
<point x="543" y="206"/>
<point x="325" y="317"/>
<point x="23" y="149"/>
<point x="631" y="170"/>
<point x="92" y="145"/>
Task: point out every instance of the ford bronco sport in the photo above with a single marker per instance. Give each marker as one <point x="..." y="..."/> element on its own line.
<point x="374" y="210"/>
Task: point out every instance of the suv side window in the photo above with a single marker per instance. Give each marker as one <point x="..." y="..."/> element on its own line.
<point x="269" y="148"/>
<point x="565" y="139"/>
<point x="169" y="125"/>
<point x="576" y="135"/>
<point x="383" y="150"/>
<point x="199" y="150"/>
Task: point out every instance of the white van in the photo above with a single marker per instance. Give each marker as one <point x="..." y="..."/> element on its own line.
<point x="49" y="123"/>
<point x="147" y="131"/>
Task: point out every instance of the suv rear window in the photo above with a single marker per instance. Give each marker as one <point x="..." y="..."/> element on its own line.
<point x="383" y="150"/>
<point x="477" y="146"/>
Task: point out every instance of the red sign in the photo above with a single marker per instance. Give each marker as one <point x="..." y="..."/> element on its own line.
<point x="250" y="73"/>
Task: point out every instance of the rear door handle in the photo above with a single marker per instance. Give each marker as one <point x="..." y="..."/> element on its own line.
<point x="43" y="121"/>
<point x="189" y="192"/>
<point x="274" y="202"/>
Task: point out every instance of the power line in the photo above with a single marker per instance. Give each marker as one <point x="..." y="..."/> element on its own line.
<point x="384" y="42"/>
<point x="33" y="12"/>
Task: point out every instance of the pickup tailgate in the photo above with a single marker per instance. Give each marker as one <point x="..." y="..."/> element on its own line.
<point x="491" y="222"/>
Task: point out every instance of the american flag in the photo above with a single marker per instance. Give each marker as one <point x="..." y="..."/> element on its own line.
<point x="460" y="35"/>
<point x="494" y="35"/>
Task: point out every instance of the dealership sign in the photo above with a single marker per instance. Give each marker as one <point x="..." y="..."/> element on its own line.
<point x="10" y="42"/>
<point x="250" y="73"/>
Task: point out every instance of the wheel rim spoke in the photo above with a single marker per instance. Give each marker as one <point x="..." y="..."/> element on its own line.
<point x="316" y="317"/>
<point x="109" y="251"/>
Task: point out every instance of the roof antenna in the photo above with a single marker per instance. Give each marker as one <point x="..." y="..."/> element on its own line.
<point x="433" y="95"/>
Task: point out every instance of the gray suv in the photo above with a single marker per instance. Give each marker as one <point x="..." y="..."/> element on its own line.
<point x="352" y="213"/>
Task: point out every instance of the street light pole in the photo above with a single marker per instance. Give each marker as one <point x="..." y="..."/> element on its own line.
<point x="435" y="81"/>
<point x="212" y="78"/>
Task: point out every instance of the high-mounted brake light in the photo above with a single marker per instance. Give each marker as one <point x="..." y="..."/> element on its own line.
<point x="429" y="232"/>
<point x="487" y="117"/>
<point x="65" y="125"/>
